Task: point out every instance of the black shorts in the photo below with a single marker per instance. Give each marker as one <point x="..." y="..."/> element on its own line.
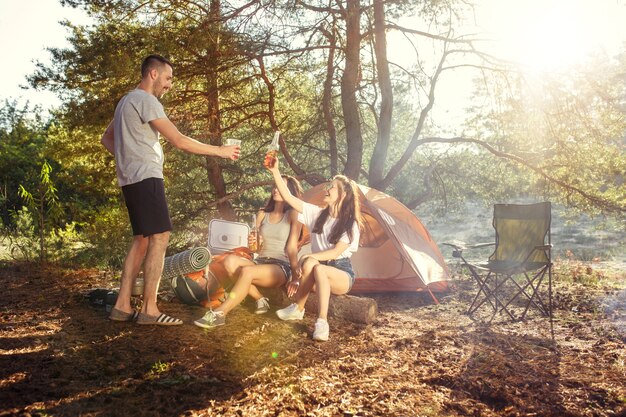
<point x="147" y="208"/>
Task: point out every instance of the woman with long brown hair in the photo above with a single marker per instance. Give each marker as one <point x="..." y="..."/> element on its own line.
<point x="280" y="231"/>
<point x="335" y="232"/>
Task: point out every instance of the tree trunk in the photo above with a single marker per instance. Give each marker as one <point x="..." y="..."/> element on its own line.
<point x="42" y="231"/>
<point x="349" y="82"/>
<point x="213" y="168"/>
<point x="396" y="168"/>
<point x="377" y="163"/>
<point x="271" y="110"/>
<point x="327" y="100"/>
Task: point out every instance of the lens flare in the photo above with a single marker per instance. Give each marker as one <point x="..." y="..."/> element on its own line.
<point x="275" y="355"/>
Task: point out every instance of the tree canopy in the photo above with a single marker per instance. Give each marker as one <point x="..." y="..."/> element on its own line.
<point x="345" y="99"/>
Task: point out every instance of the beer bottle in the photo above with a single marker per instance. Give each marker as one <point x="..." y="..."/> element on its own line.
<point x="253" y="241"/>
<point x="272" y="151"/>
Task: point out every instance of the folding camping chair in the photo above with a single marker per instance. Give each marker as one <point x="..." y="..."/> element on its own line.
<point x="520" y="262"/>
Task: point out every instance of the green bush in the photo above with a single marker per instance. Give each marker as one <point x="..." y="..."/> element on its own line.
<point x="108" y="239"/>
<point x="22" y="239"/>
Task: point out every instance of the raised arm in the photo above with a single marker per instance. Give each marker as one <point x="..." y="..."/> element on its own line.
<point x="289" y="198"/>
<point x="108" y="139"/>
<point x="171" y="133"/>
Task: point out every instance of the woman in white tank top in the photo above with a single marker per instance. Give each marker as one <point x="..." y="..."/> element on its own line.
<point x="280" y="231"/>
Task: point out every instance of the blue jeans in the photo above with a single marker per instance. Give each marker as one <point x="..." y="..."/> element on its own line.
<point x="284" y="266"/>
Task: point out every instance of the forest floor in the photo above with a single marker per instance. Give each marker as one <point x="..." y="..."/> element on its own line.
<point x="60" y="356"/>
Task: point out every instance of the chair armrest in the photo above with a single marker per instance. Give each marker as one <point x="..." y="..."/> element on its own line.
<point x="458" y="247"/>
<point x="462" y="245"/>
<point x="481" y="245"/>
<point x="456" y="244"/>
<point x="538" y="247"/>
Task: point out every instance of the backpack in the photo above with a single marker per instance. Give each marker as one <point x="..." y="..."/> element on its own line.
<point x="206" y="287"/>
<point x="102" y="297"/>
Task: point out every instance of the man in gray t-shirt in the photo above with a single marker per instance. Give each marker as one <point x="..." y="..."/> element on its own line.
<point x="139" y="154"/>
<point x="133" y="137"/>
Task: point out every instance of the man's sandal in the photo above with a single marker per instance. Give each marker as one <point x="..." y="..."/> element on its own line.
<point x="161" y="320"/>
<point x="117" y="315"/>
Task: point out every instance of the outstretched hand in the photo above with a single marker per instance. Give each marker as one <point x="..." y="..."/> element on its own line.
<point x="271" y="163"/>
<point x="230" y="152"/>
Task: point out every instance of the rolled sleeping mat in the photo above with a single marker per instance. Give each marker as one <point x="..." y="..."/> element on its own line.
<point x="191" y="260"/>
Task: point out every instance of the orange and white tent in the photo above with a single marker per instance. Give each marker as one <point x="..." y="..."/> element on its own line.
<point x="396" y="251"/>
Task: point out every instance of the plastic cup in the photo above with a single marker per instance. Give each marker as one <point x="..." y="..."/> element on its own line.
<point x="231" y="142"/>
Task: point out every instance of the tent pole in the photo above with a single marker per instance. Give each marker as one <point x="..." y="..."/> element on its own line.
<point x="432" y="295"/>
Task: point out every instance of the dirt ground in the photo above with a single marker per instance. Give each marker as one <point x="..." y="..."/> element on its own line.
<point x="59" y="356"/>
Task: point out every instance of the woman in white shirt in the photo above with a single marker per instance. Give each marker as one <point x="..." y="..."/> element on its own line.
<point x="335" y="232"/>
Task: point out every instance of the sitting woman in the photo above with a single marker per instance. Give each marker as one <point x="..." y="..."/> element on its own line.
<point x="279" y="232"/>
<point x="335" y="233"/>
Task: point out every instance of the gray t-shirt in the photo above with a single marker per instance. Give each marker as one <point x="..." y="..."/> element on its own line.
<point x="138" y="152"/>
<point x="275" y="236"/>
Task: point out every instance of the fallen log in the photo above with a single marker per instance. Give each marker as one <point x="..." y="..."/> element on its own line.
<point x="347" y="307"/>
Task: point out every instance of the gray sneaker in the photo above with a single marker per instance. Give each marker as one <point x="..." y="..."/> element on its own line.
<point x="262" y="306"/>
<point x="211" y="319"/>
<point x="290" y="313"/>
<point x="321" y="331"/>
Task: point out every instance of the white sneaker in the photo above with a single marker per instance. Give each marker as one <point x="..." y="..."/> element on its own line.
<point x="291" y="312"/>
<point x="321" y="331"/>
<point x="262" y="306"/>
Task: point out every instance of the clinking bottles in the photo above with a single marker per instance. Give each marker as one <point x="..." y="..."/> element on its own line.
<point x="272" y="151"/>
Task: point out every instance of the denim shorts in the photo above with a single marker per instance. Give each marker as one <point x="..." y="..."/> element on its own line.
<point x="342" y="264"/>
<point x="284" y="266"/>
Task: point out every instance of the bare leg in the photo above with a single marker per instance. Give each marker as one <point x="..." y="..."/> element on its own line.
<point x="306" y="283"/>
<point x="153" y="267"/>
<point x="267" y="276"/>
<point x="233" y="264"/>
<point x="132" y="265"/>
<point x="254" y="292"/>
<point x="329" y="280"/>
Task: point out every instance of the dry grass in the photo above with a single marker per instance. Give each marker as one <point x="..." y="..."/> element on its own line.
<point x="59" y="356"/>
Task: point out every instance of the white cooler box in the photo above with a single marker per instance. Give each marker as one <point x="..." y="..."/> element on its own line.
<point x="225" y="235"/>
